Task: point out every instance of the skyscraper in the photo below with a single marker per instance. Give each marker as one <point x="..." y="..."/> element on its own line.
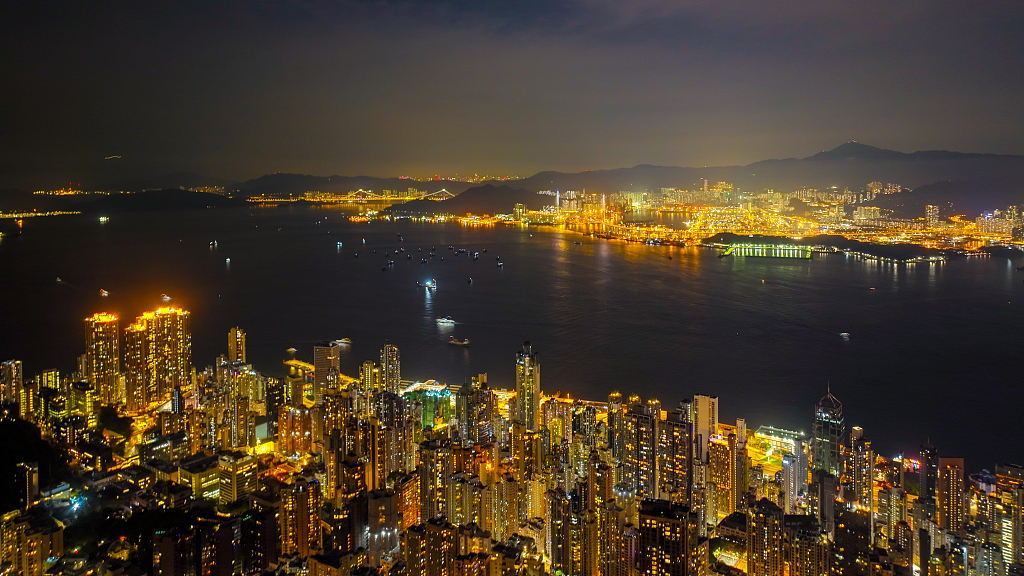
<point x="528" y="387"/>
<point x="931" y="216"/>
<point x="300" y="527"/>
<point x="158" y="356"/>
<point x="236" y="345"/>
<point x="829" y="433"/>
<point x="639" y="457"/>
<point x="391" y="367"/>
<point x="764" y="539"/>
<point x="102" y="356"/>
<point x="326" y="357"/>
<point x="862" y="461"/>
<point x="705" y="424"/>
<point x="670" y="544"/>
<point x="949" y="494"/>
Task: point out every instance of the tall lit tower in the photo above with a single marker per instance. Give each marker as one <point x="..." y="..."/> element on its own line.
<point x="158" y="356"/>
<point x="705" y="423"/>
<point x="949" y="494"/>
<point x="528" y="387"/>
<point x="391" y="367"/>
<point x="829" y="434"/>
<point x="326" y="355"/>
<point x="236" y="345"/>
<point x="102" y="356"/>
<point x="931" y="216"/>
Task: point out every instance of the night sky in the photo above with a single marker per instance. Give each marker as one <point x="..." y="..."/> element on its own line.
<point x="239" y="89"/>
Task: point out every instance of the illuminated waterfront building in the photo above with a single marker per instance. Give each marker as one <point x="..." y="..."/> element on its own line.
<point x="236" y="345"/>
<point x="158" y="355"/>
<point x="829" y="434"/>
<point x="102" y="356"/>
<point x="326" y="360"/>
<point x="528" y="387"/>
<point x="391" y="367"/>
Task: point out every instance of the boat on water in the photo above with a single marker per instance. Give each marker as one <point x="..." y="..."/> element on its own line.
<point x="501" y="264"/>
<point x="104" y="293"/>
<point x="844" y="335"/>
<point x="1020" y="268"/>
<point x="165" y="297"/>
<point x="447" y="320"/>
<point x="345" y="341"/>
<point x="456" y="342"/>
<point x="577" y="243"/>
<point x="429" y="284"/>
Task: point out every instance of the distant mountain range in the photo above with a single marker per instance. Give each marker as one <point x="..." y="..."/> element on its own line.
<point x="850" y="165"/>
<point x="962" y="182"/>
<point x="298" y="184"/>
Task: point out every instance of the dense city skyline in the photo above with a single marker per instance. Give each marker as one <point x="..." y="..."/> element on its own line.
<point x="511" y="288"/>
<point x="372" y="474"/>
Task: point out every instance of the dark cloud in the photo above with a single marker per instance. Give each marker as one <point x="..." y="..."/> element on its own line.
<point x="389" y="87"/>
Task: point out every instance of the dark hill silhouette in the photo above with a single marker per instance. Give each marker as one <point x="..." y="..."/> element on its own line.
<point x="849" y="165"/>
<point x="156" y="200"/>
<point x="486" y="199"/>
<point x="298" y="184"/>
<point x="968" y="197"/>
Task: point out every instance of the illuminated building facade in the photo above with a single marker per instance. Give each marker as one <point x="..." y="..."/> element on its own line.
<point x="103" y="357"/>
<point x="300" y="527"/>
<point x="238" y="476"/>
<point x="158" y="356"/>
<point x="391" y="367"/>
<point x="949" y="505"/>
<point x="765" y="539"/>
<point x="829" y="435"/>
<point x="528" y="387"/>
<point x="326" y="362"/>
<point x="236" y="345"/>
